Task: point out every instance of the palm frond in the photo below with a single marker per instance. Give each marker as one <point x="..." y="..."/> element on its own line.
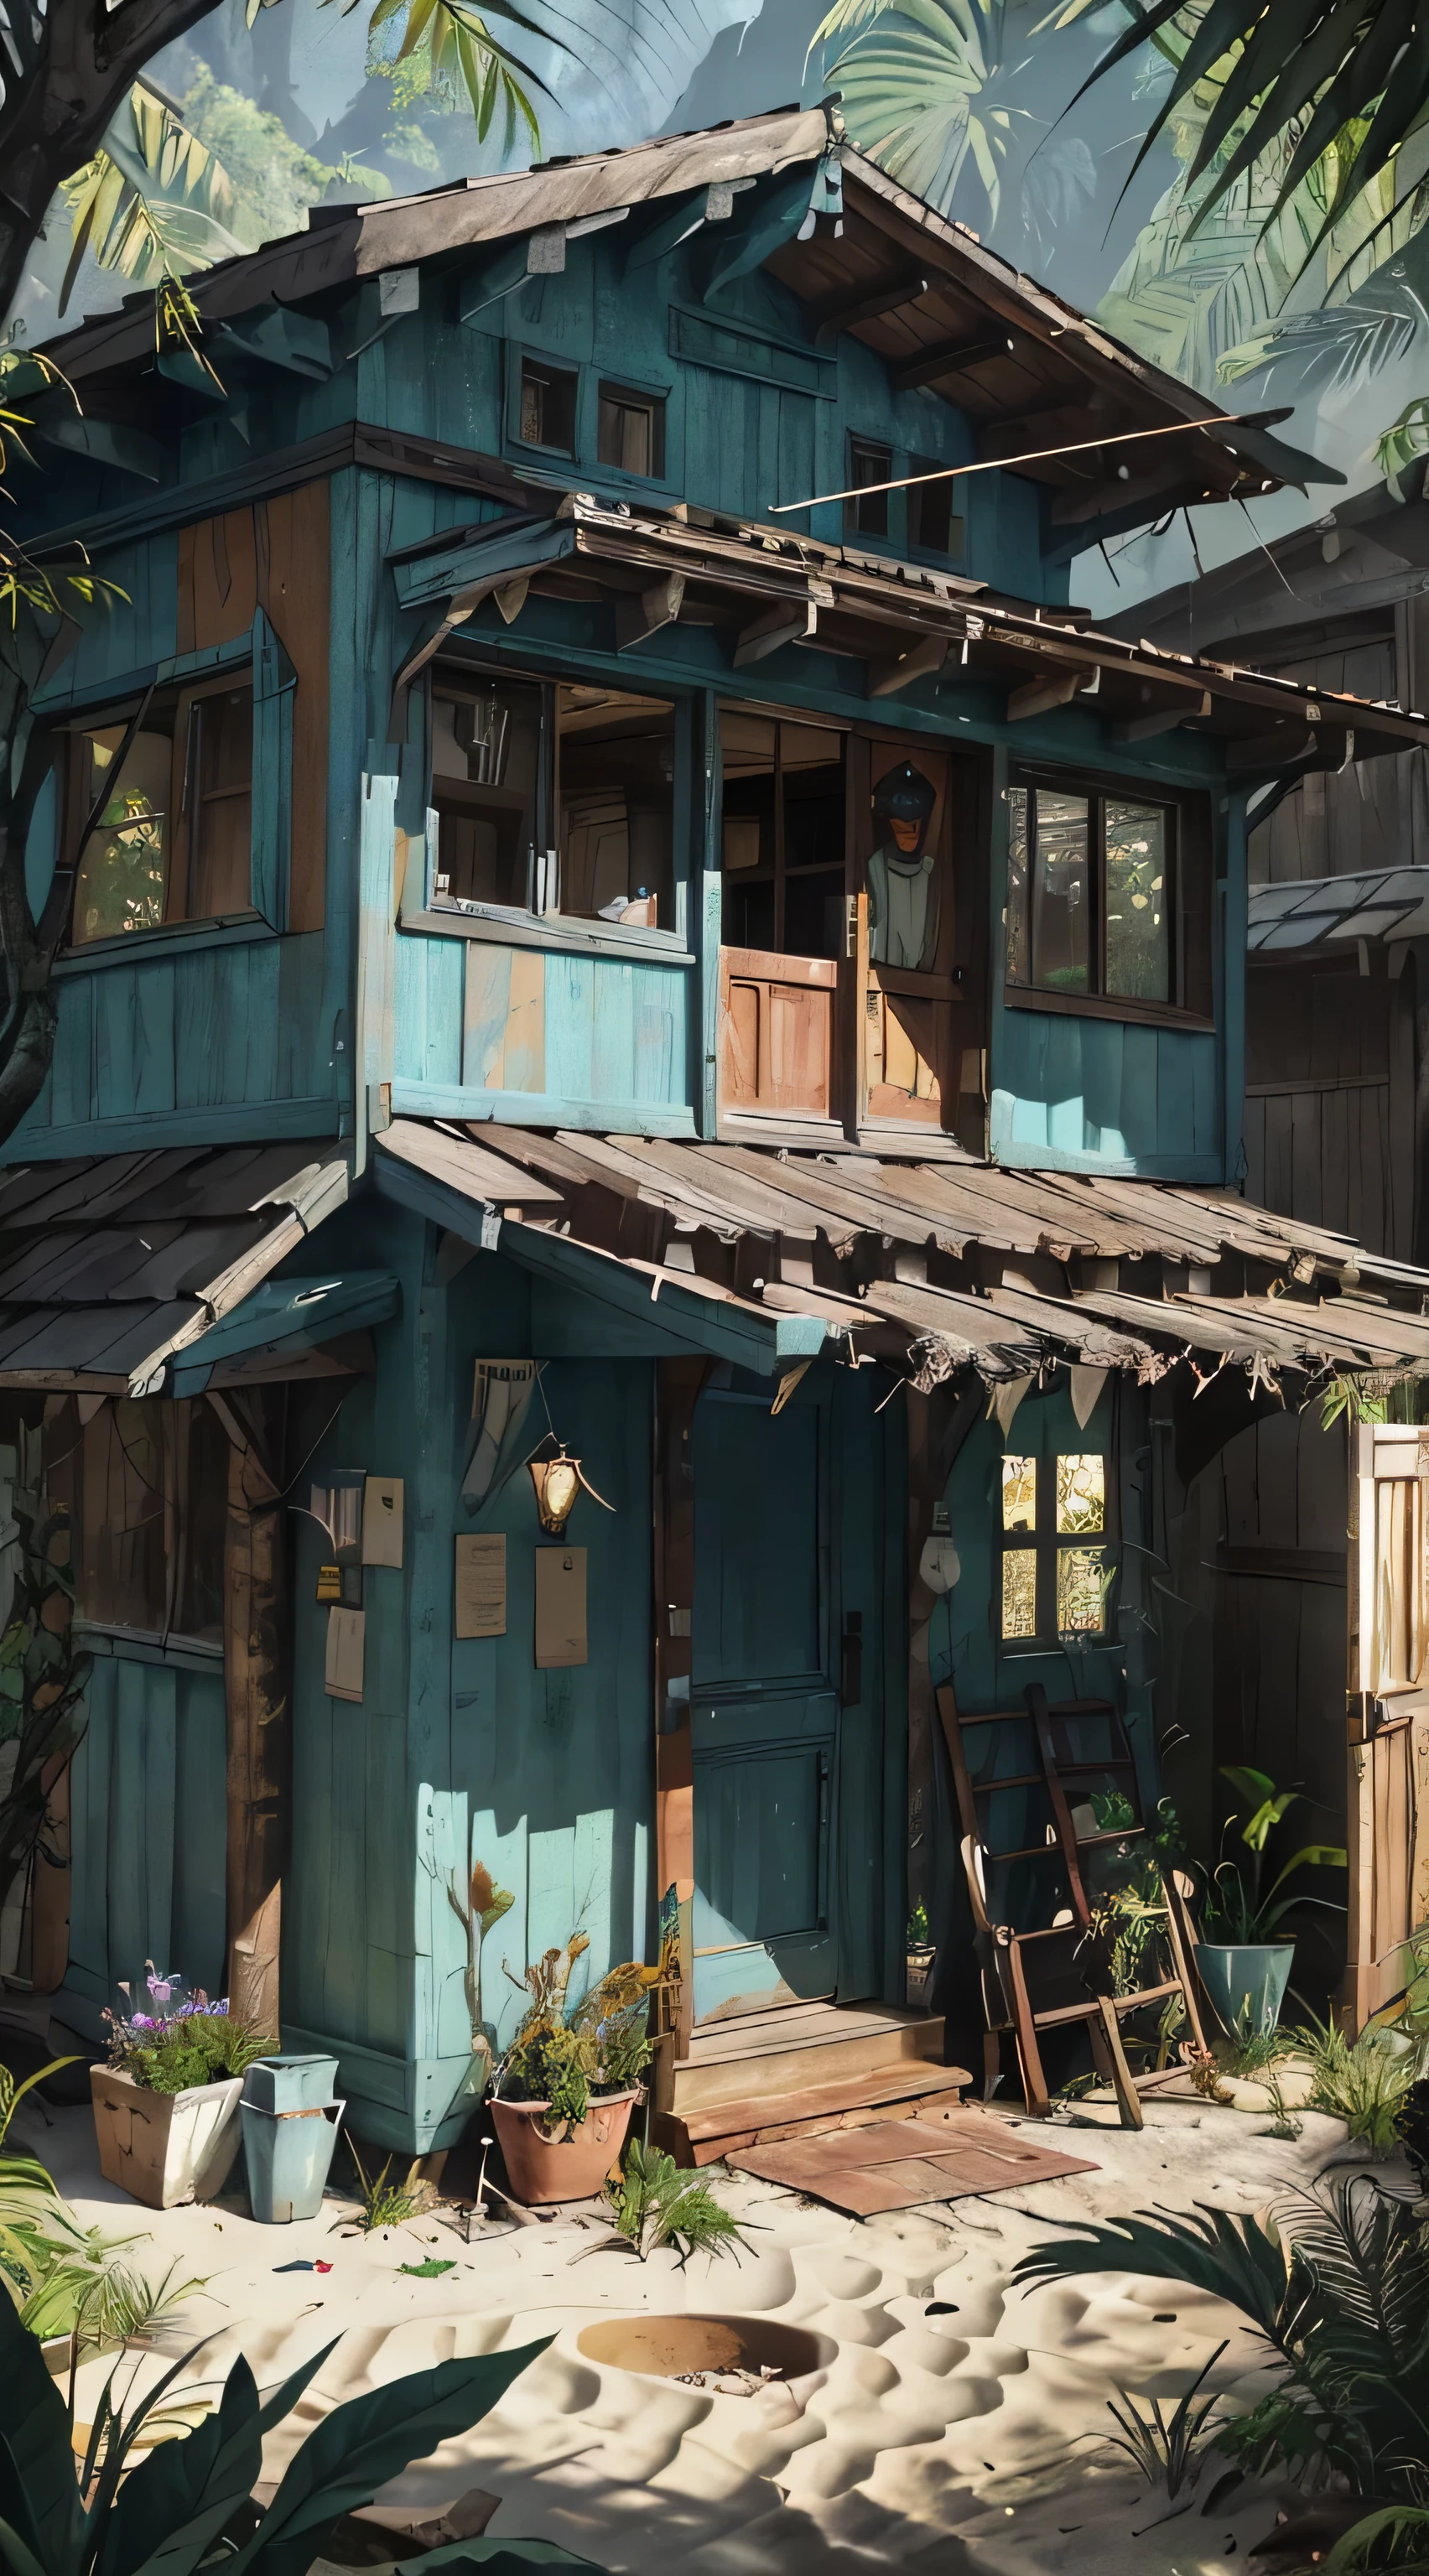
<point x="924" y="87"/>
<point x="153" y="203"/>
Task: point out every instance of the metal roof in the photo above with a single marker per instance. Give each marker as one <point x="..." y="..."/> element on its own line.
<point x="930" y="1266"/>
<point x="1382" y="904"/>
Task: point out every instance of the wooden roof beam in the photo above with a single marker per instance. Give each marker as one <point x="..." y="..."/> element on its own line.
<point x="1038" y="697"/>
<point x="837" y="313"/>
<point x="948" y="358"/>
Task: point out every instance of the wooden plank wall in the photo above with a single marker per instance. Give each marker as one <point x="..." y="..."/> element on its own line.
<point x="1337" y="826"/>
<point x="557" y="1027"/>
<point x="1081" y="1093"/>
<point x="147" y="1808"/>
<point x="1329" y="1106"/>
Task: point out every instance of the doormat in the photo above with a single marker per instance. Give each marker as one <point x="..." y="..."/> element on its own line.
<point x="899" y="2164"/>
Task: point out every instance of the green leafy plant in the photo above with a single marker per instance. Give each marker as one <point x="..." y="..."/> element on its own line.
<point x="153" y="202"/>
<point x="656" y="2204"/>
<point x="384" y="2204"/>
<point x="1335" y="2283"/>
<point x="918" y="1927"/>
<point x="601" y="2046"/>
<point x="1237" y="1912"/>
<point x="1364" y="2082"/>
<point x="1167" y="2450"/>
<point x="452" y="45"/>
<point x="926" y="85"/>
<point x="197" y="2043"/>
<point x="189" y="2501"/>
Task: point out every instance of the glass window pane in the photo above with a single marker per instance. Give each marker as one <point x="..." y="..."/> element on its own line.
<point x="616" y="766"/>
<point x="1016" y="917"/>
<point x="1080" y="1590"/>
<point x="869" y="463"/>
<point x="1138" y="918"/>
<point x="1019" y="1592"/>
<point x="486" y="755"/>
<point x="1081" y="1495"/>
<point x="123" y="868"/>
<point x="1019" y="1493"/>
<point x="220" y="756"/>
<point x="1061" y="906"/>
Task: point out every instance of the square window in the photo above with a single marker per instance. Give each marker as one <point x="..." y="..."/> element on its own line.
<point x="171" y="796"/>
<point x="932" y="525"/>
<point x="1090" y="889"/>
<point x="548" y="406"/>
<point x="1056" y="1572"/>
<point x="867" y="514"/>
<point x="630" y="431"/>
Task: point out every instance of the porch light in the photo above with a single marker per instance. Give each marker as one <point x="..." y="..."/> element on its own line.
<point x="557" y="1482"/>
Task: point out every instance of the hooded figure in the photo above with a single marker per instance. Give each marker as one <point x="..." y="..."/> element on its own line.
<point x="902" y="892"/>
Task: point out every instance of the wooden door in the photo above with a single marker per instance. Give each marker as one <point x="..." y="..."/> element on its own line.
<point x="764" y="1711"/>
<point x="1388" y="1789"/>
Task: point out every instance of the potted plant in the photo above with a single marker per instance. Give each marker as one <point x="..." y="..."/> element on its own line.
<point x="166" y="2105"/>
<point x="1243" y="1957"/>
<point x="564" y="2089"/>
<point x="921" y="1956"/>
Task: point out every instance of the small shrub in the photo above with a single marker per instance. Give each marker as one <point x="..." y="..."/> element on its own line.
<point x="1366" y="2083"/>
<point x="1169" y="2450"/>
<point x="384" y="2204"/>
<point x="601" y="2046"/>
<point x="656" y="2204"/>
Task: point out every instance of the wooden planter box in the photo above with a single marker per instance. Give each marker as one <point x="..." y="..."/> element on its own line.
<point x="165" y="2148"/>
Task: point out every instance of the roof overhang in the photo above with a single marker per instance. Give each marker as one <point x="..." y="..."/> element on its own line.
<point x="153" y="1273"/>
<point x="934" y="1269"/>
<point x="759" y="588"/>
<point x="1302" y="915"/>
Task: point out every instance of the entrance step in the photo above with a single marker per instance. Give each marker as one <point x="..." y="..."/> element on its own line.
<point x="760" y="2057"/>
<point x="907" y="2090"/>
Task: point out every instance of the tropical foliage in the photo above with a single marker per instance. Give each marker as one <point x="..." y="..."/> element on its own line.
<point x="562" y="2056"/>
<point x="656" y="2204"/>
<point x="446" y="46"/>
<point x="153" y="202"/>
<point x="1238" y="1909"/>
<point x="189" y="2501"/>
<point x="1336" y="2286"/>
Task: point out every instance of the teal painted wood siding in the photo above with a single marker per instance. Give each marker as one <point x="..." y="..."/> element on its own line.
<point x="228" y="1038"/>
<point x="146" y="1833"/>
<point x="482" y="1031"/>
<point x="1105" y="1095"/>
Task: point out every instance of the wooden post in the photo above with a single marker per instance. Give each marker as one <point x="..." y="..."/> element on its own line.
<point x="678" y="1384"/>
<point x="257" y="1676"/>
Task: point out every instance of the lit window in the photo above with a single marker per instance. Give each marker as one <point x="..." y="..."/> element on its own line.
<point x="1056" y="1570"/>
<point x="1090" y="886"/>
<point x="159" y="811"/>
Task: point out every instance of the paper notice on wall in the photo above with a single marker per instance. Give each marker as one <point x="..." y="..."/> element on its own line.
<point x="480" y="1589"/>
<point x="346" y="1647"/>
<point x="560" y="1607"/>
<point x="382" y="1521"/>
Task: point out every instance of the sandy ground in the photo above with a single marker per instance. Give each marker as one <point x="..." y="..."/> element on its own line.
<point x="973" y="2439"/>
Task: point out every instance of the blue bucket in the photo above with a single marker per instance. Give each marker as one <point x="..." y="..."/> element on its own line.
<point x="1246" y="1984"/>
<point x="288" y="2155"/>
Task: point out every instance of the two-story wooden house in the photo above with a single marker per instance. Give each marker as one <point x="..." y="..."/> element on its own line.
<point x="602" y="917"/>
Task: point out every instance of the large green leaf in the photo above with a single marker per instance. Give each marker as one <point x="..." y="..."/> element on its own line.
<point x="153" y="203"/>
<point x="924" y="87"/>
<point x="357" y="2448"/>
<point x="38" y="2494"/>
<point x="172" y="2507"/>
<point x="1231" y="2256"/>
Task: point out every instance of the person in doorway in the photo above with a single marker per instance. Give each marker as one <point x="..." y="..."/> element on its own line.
<point x="902" y="890"/>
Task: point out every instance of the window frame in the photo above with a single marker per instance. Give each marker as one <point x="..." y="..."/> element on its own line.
<point x="177" y="1428"/>
<point x="635" y="397"/>
<point x="257" y="651"/>
<point x="1046" y="1544"/>
<point x="919" y="549"/>
<point x="1188" y="865"/>
<point x="863" y="443"/>
<point x="591" y="376"/>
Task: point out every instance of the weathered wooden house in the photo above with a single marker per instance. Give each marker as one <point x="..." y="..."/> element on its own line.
<point x="601" y="920"/>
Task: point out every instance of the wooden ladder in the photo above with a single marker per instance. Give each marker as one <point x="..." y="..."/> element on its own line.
<point x="1034" y="1972"/>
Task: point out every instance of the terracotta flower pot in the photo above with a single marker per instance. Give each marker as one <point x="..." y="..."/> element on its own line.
<point x="165" y="2148"/>
<point x="541" y="2169"/>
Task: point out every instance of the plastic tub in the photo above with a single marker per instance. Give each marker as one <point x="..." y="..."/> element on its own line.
<point x="290" y="2083"/>
<point x="289" y="2156"/>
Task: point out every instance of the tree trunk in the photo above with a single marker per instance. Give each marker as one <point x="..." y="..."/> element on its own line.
<point x="257" y="1673"/>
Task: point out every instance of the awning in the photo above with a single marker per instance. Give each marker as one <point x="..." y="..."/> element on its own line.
<point x="763" y="1257"/>
<point x="149" y="1273"/>
<point x="763" y="588"/>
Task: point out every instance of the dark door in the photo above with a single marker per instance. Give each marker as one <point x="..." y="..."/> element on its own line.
<point x="764" y="1708"/>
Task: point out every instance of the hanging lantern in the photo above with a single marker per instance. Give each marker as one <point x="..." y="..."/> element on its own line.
<point x="557" y="1482"/>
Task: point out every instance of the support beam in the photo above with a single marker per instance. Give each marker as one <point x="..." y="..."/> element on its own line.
<point x="772" y="218"/>
<point x="826" y="321"/>
<point x="1163" y="720"/>
<point x="257" y="1682"/>
<point x="920" y="660"/>
<point x="1038" y="697"/>
<point x="638" y="619"/>
<point x="1271" y="750"/>
<point x="948" y="358"/>
<point x="680" y="222"/>
<point x="794" y="623"/>
<point x="539" y="253"/>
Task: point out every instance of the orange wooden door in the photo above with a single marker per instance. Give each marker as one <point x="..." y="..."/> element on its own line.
<point x="1388" y="1788"/>
<point x="776" y="1032"/>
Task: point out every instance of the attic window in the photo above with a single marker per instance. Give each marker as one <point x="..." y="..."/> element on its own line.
<point x="548" y="406"/>
<point x="630" y="432"/>
<point x="868" y="462"/>
<point x="931" y="524"/>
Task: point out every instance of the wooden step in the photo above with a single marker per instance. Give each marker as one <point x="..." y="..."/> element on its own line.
<point x="804" y="2045"/>
<point x="900" y="2092"/>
